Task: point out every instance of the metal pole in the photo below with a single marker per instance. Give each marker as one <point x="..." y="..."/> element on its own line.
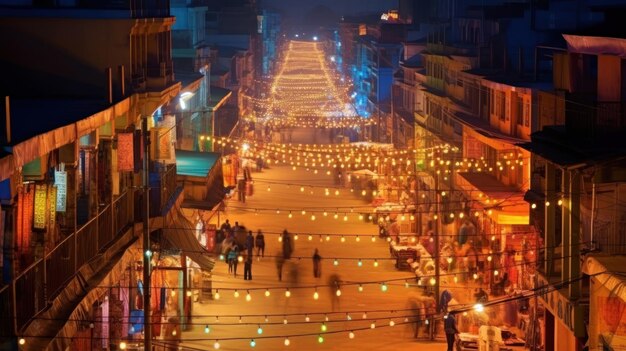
<point x="436" y="253"/>
<point x="147" y="254"/>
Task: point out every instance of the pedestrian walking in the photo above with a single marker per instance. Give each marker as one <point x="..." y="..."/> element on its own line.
<point x="317" y="262"/>
<point x="247" y="268"/>
<point x="450" y="329"/>
<point x="287" y="248"/>
<point x="259" y="164"/>
<point x="233" y="259"/>
<point x="335" y="291"/>
<point x="249" y="243"/>
<point x="241" y="190"/>
<point x="280" y="261"/>
<point x="259" y="242"/>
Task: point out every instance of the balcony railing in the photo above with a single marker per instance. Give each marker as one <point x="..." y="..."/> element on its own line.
<point x="43" y="280"/>
<point x="162" y="188"/>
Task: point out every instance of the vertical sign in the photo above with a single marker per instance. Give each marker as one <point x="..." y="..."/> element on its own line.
<point x="60" y="181"/>
<point x="52" y="205"/>
<point x="41" y="194"/>
<point x="125" y="152"/>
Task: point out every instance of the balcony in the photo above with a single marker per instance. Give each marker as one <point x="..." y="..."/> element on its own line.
<point x="160" y="76"/>
<point x="163" y="189"/>
<point x="42" y="282"/>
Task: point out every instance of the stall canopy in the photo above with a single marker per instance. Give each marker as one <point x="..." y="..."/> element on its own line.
<point x="201" y="176"/>
<point x="181" y="233"/>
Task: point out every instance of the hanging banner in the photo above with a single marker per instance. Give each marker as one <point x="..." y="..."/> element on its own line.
<point x="125" y="152"/>
<point x="52" y="205"/>
<point x="41" y="210"/>
<point x="60" y="182"/>
<point x="25" y="197"/>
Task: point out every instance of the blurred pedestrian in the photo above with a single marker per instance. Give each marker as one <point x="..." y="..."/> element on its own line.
<point x="317" y="262"/>
<point x="260" y="244"/>
<point x="231" y="258"/>
<point x="247" y="268"/>
<point x="335" y="291"/>
<point x="449" y="325"/>
<point x="259" y="164"/>
<point x="280" y="261"/>
<point x="241" y="190"/>
<point x="249" y="243"/>
<point x="287" y="248"/>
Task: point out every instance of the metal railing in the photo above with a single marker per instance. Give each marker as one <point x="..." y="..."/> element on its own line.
<point x="45" y="279"/>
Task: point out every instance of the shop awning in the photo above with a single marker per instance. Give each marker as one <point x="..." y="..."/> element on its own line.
<point x="202" y="178"/>
<point x="181" y="233"/>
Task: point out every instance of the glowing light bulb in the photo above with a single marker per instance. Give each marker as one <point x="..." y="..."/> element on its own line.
<point x="433" y="281"/>
<point x="375" y="263"/>
<point x="248" y="297"/>
<point x="216" y="345"/>
<point x="323" y="327"/>
<point x="391" y="323"/>
<point x="236" y="294"/>
<point x="287" y="293"/>
<point x="360" y="288"/>
<point x="383" y="287"/>
<point x="335" y="262"/>
<point x="316" y="295"/>
<point x="338" y="292"/>
<point x="351" y="335"/>
<point x="216" y="296"/>
<point x="207" y="329"/>
<point x="287" y="342"/>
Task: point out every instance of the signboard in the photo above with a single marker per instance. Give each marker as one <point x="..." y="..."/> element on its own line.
<point x="52" y="205"/>
<point x="561" y="307"/>
<point x="125" y="152"/>
<point x="60" y="182"/>
<point x="41" y="210"/>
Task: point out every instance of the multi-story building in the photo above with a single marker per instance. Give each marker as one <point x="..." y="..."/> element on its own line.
<point x="576" y="189"/>
<point x="377" y="54"/>
<point x="72" y="198"/>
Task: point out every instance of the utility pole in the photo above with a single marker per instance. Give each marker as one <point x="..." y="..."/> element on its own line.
<point x="147" y="252"/>
<point x="437" y="251"/>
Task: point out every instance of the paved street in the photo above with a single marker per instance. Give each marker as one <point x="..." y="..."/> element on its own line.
<point x="299" y="272"/>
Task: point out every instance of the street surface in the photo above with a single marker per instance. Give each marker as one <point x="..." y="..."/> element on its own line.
<point x="259" y="212"/>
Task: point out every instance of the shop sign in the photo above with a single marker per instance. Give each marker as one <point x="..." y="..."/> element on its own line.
<point x="41" y="210"/>
<point x="60" y="181"/>
<point x="561" y="307"/>
<point x="52" y="204"/>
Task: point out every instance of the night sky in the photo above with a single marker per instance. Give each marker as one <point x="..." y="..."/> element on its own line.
<point x="299" y="10"/>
